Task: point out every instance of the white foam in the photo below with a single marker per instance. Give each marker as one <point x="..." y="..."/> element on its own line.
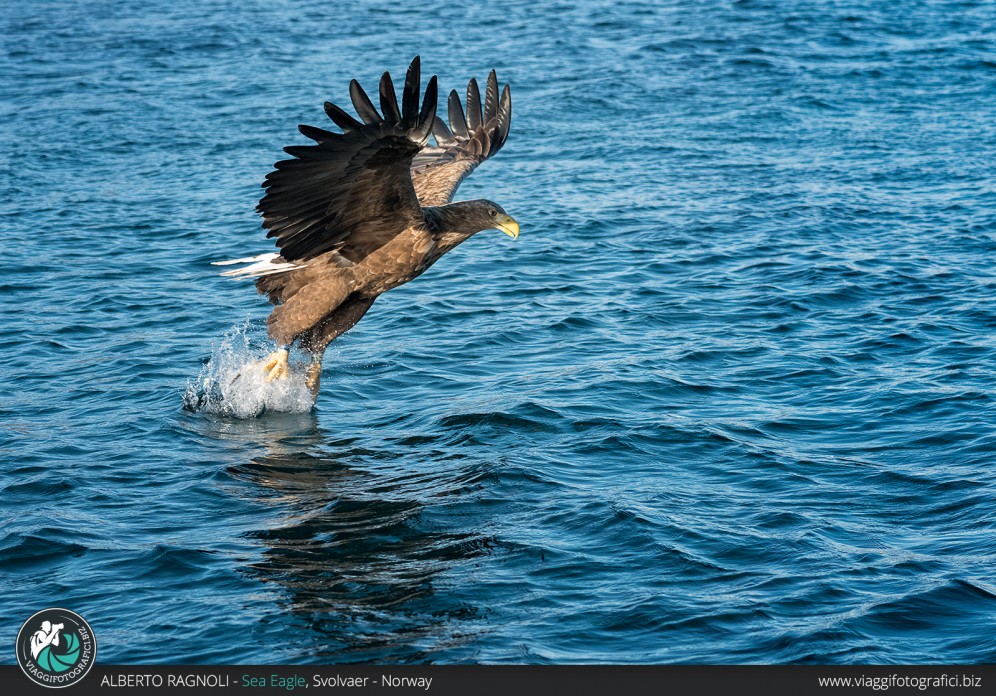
<point x="232" y="382"/>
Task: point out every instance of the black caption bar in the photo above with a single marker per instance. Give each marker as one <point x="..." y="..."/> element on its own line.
<point x="517" y="680"/>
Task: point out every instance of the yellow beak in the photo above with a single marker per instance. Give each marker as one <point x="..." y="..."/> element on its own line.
<point x="509" y="227"/>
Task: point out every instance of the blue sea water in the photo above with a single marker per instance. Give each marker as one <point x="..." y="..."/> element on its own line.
<point x="728" y="399"/>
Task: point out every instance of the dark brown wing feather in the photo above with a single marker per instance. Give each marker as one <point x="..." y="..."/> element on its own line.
<point x="351" y="190"/>
<point x="470" y="139"/>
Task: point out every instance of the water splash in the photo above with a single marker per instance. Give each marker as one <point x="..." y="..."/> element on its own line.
<point x="232" y="382"/>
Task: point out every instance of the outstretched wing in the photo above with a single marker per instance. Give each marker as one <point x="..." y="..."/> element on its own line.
<point x="470" y="139"/>
<point x="351" y="190"/>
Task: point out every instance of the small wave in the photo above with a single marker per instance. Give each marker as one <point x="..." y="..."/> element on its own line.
<point x="943" y="609"/>
<point x="232" y="383"/>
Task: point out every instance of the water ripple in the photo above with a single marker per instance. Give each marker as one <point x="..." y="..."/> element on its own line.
<point x="728" y="398"/>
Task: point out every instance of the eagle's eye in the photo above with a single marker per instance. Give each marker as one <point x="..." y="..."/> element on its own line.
<point x="492" y="212"/>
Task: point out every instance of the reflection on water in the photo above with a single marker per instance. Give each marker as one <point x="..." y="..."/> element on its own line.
<point x="359" y="564"/>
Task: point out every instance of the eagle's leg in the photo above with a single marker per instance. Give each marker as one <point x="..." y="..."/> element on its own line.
<point x="275" y="365"/>
<point x="318" y="338"/>
<point x="313" y="377"/>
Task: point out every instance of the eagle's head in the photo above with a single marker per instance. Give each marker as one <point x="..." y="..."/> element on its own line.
<point x="487" y="215"/>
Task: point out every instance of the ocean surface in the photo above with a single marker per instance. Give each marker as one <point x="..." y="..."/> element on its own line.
<point x="728" y="399"/>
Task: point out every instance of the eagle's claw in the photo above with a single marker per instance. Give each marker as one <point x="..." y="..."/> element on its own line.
<point x="276" y="366"/>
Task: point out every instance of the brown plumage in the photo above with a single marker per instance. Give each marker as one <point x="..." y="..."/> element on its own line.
<point x="366" y="210"/>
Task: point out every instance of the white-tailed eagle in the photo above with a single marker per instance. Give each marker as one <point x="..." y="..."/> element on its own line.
<point x="366" y="210"/>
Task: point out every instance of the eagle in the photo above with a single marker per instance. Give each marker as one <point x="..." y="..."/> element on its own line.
<point x="363" y="211"/>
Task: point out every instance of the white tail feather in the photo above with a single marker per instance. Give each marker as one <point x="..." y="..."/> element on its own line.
<point x="248" y="259"/>
<point x="264" y="264"/>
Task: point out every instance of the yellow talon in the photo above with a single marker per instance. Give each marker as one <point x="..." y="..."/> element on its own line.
<point x="276" y="366"/>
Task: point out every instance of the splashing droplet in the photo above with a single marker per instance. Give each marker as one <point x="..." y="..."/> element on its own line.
<point x="232" y="381"/>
